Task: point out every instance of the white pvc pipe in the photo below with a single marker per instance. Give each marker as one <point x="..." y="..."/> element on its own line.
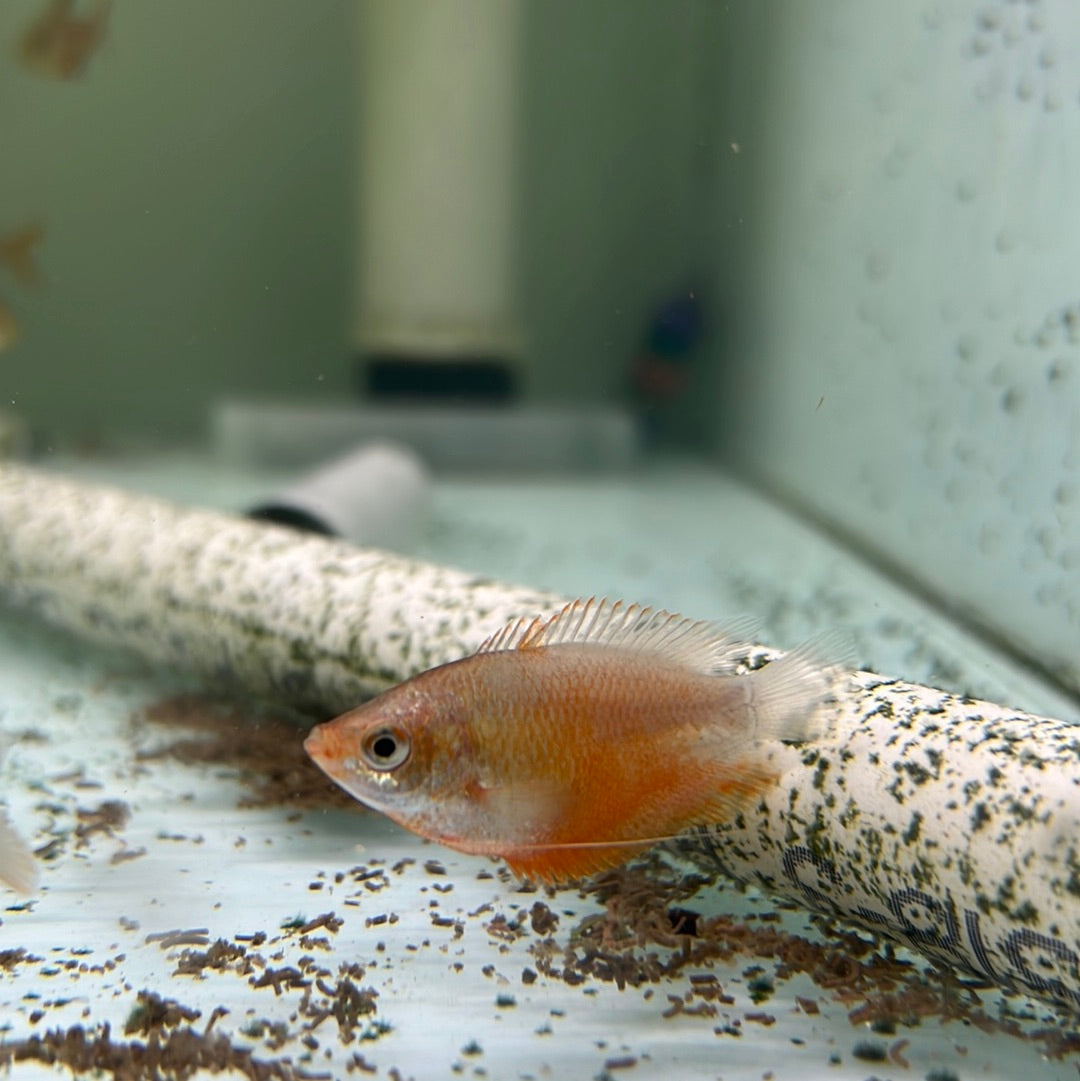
<point x="438" y="117"/>
<point x="948" y="824"/>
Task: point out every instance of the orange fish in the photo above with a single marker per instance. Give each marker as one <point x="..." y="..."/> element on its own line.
<point x="17" y="253"/>
<point x="9" y="329"/>
<point x="568" y="743"/>
<point x="60" y="42"/>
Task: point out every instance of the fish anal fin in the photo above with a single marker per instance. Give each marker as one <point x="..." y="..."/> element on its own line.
<point x="732" y="797"/>
<point x="558" y="864"/>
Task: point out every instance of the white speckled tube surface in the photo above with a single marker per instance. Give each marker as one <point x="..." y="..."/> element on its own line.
<point x="313" y="622"/>
<point x="946" y="823"/>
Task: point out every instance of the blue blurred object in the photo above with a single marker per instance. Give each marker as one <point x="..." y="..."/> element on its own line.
<point x="662" y="370"/>
<point x="676" y="329"/>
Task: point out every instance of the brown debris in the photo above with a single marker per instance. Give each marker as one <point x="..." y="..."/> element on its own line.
<point x="152" y="1013"/>
<point x="222" y="956"/>
<point x="17" y="956"/>
<point x="174" y="1053"/>
<point x="896" y="1053"/>
<point x="328" y="920"/>
<point x="347" y="1003"/>
<point x="106" y="817"/>
<point x="277" y="978"/>
<point x="644" y="935"/>
<point x="542" y="920"/>
<point x="266" y="748"/>
<point x="196" y="936"/>
<point x="126" y="855"/>
<point x="760" y="1017"/>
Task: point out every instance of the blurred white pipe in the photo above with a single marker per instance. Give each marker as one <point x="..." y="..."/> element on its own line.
<point x="438" y="117"/>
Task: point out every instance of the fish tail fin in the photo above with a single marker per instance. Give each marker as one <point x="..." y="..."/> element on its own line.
<point x="785" y="697"/>
<point x="17" y="865"/>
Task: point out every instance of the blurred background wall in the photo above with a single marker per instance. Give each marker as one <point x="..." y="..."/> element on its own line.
<point x="910" y="364"/>
<point x="195" y="183"/>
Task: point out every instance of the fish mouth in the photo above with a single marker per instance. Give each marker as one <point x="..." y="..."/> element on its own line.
<point x="326" y="748"/>
<point x="319" y="746"/>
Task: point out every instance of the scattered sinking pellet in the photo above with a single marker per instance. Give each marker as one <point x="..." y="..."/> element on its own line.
<point x="153" y="1013"/>
<point x="870" y="1051"/>
<point x="107" y="817"/>
<point x="328" y="920"/>
<point x="216" y="1014"/>
<point x="348" y="1004"/>
<point x="277" y="978"/>
<point x="542" y="920"/>
<point x="125" y="855"/>
<point x="222" y="955"/>
<point x="759" y="1017"/>
<point x="502" y="928"/>
<point x="196" y="936"/>
<point x="896" y="1053"/>
<point x="448" y="921"/>
<point x="10" y="958"/>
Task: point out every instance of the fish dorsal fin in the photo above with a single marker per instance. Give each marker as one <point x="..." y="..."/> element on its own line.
<point x="702" y="646"/>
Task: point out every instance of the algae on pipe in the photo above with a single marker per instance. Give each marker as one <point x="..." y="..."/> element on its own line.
<point x="945" y="823"/>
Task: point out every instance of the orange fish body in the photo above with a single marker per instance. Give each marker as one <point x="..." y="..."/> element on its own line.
<point x="567" y="744"/>
<point x="17" y="253"/>
<point x="60" y="42"/>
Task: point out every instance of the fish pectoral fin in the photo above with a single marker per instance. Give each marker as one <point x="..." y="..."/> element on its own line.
<point x="524" y="807"/>
<point x="736" y="788"/>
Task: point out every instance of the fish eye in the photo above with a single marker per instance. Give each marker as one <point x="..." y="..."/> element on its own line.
<point x="386" y="748"/>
